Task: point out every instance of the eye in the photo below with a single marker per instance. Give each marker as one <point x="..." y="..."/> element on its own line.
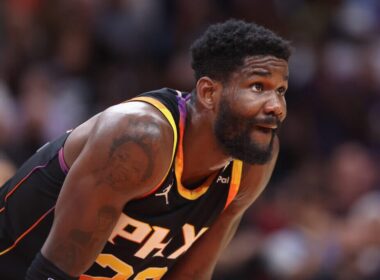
<point x="281" y="91"/>
<point x="257" y="87"/>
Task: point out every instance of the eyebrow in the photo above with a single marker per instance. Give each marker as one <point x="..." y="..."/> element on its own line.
<point x="256" y="72"/>
<point x="262" y="73"/>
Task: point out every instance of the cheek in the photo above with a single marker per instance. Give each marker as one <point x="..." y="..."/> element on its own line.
<point x="248" y="106"/>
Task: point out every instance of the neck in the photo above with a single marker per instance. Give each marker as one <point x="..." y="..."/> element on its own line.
<point x="202" y="154"/>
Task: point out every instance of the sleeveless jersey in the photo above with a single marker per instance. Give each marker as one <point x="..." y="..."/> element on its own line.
<point x="155" y="230"/>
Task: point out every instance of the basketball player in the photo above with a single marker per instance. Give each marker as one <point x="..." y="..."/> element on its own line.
<point x="154" y="187"/>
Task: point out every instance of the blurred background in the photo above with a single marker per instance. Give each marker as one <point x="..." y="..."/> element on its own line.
<point x="62" y="61"/>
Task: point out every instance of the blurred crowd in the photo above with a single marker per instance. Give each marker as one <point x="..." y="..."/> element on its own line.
<point x="62" y="61"/>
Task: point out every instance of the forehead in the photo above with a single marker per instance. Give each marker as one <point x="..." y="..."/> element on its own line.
<point x="264" y="65"/>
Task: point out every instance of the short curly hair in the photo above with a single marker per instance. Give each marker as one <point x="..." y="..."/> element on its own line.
<point x="221" y="50"/>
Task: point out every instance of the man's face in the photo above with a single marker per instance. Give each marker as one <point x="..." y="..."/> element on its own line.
<point x="251" y="109"/>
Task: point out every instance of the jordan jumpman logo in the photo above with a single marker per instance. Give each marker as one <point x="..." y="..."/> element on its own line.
<point x="166" y="193"/>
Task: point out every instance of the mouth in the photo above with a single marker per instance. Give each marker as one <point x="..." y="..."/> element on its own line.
<point x="266" y="128"/>
<point x="262" y="133"/>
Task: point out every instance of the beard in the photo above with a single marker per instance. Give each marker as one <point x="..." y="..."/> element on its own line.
<point x="233" y="132"/>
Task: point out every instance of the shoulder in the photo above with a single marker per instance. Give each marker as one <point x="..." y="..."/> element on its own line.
<point x="129" y="147"/>
<point x="134" y="123"/>
<point x="138" y="122"/>
<point x="137" y="115"/>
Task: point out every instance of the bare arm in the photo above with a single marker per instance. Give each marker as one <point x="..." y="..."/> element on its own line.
<point x="117" y="164"/>
<point x="199" y="262"/>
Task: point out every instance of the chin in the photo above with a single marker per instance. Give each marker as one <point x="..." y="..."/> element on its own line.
<point x="257" y="153"/>
<point x="258" y="159"/>
<point x="253" y="155"/>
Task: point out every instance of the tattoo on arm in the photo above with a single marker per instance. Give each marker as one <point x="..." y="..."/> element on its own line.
<point x="72" y="252"/>
<point x="128" y="163"/>
<point x="123" y="166"/>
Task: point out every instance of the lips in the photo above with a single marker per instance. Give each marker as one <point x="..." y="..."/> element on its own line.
<point x="267" y="126"/>
<point x="264" y="129"/>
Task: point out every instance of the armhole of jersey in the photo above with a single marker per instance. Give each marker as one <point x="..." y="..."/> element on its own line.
<point x="235" y="181"/>
<point x="168" y="115"/>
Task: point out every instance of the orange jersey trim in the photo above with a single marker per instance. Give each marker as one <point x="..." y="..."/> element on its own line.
<point x="19" y="184"/>
<point x="235" y="181"/>
<point x="27" y="231"/>
<point x="191" y="194"/>
<point x="165" y="111"/>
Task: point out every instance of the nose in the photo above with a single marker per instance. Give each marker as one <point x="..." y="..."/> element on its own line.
<point x="276" y="106"/>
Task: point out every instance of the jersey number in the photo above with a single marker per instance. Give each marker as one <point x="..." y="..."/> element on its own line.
<point x="124" y="270"/>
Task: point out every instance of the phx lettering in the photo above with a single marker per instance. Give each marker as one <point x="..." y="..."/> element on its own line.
<point x="151" y="239"/>
<point x="156" y="239"/>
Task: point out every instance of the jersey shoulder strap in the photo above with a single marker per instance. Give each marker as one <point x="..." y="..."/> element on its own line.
<point x="169" y="98"/>
<point x="164" y="100"/>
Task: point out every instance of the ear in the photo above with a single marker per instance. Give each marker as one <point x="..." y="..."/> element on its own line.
<point x="208" y="92"/>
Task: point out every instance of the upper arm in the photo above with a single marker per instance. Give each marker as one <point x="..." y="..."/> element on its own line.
<point x="127" y="153"/>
